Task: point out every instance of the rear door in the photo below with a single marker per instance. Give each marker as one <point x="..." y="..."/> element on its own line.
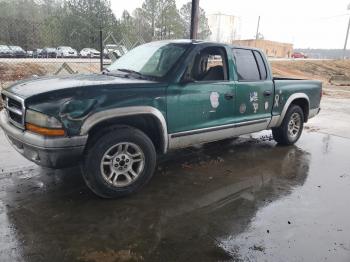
<point x="254" y="87"/>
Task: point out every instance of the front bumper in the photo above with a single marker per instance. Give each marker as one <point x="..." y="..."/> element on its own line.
<point x="53" y="152"/>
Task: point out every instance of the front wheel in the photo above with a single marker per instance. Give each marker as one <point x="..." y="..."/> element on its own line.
<point x="119" y="163"/>
<point x="291" y="128"/>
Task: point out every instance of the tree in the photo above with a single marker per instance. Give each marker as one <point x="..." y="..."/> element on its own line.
<point x="203" y="26"/>
<point x="82" y="19"/>
<point x="169" y="25"/>
<point x="150" y="12"/>
<point x="163" y="18"/>
<point x="142" y="27"/>
<point x="40" y="23"/>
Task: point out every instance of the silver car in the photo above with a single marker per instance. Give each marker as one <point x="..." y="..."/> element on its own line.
<point x="66" y="51"/>
<point x="89" y="53"/>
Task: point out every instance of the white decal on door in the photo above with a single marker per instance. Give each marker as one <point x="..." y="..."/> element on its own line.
<point x="256" y="107"/>
<point x="253" y="96"/>
<point x="242" y="108"/>
<point x="277" y="100"/>
<point x="266" y="105"/>
<point x="214" y="99"/>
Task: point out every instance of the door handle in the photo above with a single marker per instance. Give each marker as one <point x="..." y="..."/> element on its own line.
<point x="267" y="93"/>
<point x="229" y="96"/>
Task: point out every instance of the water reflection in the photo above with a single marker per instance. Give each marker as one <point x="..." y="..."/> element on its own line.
<point x="198" y="197"/>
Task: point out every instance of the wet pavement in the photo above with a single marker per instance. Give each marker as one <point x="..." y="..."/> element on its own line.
<point x="236" y="200"/>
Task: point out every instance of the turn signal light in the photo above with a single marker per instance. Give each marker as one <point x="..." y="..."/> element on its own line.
<point x="44" y="131"/>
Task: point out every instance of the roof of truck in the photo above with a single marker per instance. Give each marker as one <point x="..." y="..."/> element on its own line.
<point x="197" y="42"/>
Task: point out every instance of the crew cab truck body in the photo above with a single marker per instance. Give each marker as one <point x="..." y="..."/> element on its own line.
<point x="158" y="97"/>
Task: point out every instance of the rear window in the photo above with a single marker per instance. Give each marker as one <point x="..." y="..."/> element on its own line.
<point x="247" y="68"/>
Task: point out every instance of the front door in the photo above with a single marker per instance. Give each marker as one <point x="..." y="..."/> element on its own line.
<point x="207" y="99"/>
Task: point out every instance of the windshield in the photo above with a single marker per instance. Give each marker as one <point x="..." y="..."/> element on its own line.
<point x="152" y="59"/>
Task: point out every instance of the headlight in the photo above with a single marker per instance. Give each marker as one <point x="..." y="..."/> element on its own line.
<point x="43" y="124"/>
<point x="42" y="120"/>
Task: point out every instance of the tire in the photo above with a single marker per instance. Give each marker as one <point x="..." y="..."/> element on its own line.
<point x="122" y="172"/>
<point x="291" y="128"/>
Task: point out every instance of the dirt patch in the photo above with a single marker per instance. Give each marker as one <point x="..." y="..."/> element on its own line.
<point x="322" y="70"/>
<point x="13" y="71"/>
<point x="336" y="91"/>
<point x="17" y="71"/>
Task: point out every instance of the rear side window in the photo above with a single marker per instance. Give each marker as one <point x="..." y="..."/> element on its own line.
<point x="247" y="68"/>
<point x="261" y="65"/>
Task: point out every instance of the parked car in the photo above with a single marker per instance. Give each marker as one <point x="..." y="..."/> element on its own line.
<point x="299" y="55"/>
<point x="18" y="51"/>
<point x="49" y="52"/>
<point x="66" y="52"/>
<point x="89" y="52"/>
<point x="158" y="97"/>
<point x="37" y="53"/>
<point x="30" y="53"/>
<point x="114" y="50"/>
<point x="5" y="52"/>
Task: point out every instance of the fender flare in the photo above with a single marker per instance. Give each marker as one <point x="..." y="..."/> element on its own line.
<point x="98" y="117"/>
<point x="278" y="121"/>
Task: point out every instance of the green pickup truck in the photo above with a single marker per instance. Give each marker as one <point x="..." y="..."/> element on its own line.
<point x="158" y="97"/>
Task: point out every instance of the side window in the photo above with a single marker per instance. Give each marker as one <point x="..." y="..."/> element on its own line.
<point x="247" y="68"/>
<point x="261" y="65"/>
<point x="210" y="64"/>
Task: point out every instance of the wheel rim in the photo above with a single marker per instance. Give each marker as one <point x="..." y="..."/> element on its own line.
<point x="294" y="126"/>
<point x="122" y="164"/>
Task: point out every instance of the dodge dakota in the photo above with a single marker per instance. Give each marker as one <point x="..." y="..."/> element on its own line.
<point x="158" y="97"/>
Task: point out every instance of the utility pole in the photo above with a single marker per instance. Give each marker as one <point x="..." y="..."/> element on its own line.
<point x="101" y="49"/>
<point x="347" y="36"/>
<point x="194" y="19"/>
<point x="257" y="29"/>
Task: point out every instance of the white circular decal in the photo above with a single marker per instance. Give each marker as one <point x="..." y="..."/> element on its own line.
<point x="266" y="105"/>
<point x="242" y="108"/>
<point x="214" y="99"/>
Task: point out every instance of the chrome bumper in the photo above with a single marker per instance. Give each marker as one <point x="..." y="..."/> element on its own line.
<point x="53" y="152"/>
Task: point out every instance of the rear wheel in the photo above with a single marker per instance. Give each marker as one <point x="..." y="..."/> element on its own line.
<point x="291" y="128"/>
<point x="119" y="163"/>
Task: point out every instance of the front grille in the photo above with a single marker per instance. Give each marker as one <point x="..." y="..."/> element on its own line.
<point x="15" y="117"/>
<point x="14" y="104"/>
<point x="15" y="109"/>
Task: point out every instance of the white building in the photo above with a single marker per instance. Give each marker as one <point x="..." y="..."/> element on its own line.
<point x="224" y="28"/>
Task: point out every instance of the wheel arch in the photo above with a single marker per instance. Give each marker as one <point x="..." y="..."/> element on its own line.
<point x="300" y="99"/>
<point x="145" y="118"/>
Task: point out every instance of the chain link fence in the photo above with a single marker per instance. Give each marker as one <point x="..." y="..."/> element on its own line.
<point x="30" y="48"/>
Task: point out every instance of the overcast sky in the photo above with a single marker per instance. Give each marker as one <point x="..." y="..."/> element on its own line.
<point x="305" y="23"/>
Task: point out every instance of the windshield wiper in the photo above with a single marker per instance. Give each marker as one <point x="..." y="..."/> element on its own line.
<point x="108" y="72"/>
<point x="131" y="72"/>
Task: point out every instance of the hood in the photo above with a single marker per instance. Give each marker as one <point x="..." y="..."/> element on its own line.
<point x="36" y="86"/>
